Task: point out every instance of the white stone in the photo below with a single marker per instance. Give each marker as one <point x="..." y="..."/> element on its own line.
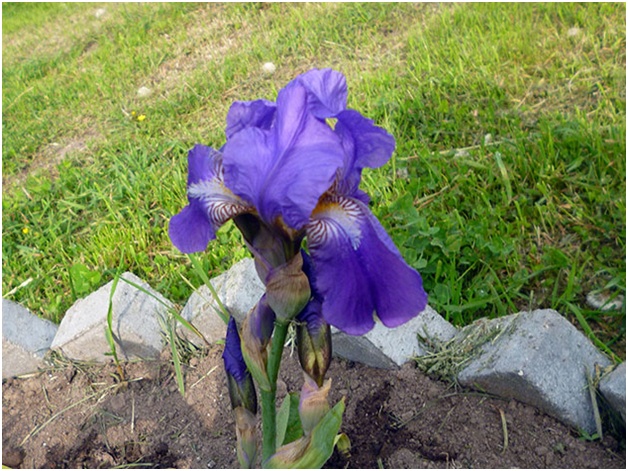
<point x="143" y="92"/>
<point x="202" y="311"/>
<point x="25" y="339"/>
<point x="613" y="388"/>
<point x="390" y="348"/>
<point x="137" y="323"/>
<point x="239" y="289"/>
<point x="539" y="358"/>
<point x="269" y="68"/>
<point x="605" y="302"/>
<point x="100" y="12"/>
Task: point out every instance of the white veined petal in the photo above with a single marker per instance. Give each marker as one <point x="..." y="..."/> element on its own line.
<point x="334" y="219"/>
<point x="219" y="202"/>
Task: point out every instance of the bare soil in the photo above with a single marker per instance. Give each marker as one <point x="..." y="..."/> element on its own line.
<point x="80" y="416"/>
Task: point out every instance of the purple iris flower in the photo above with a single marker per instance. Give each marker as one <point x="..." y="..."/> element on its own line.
<point x="291" y="173"/>
<point x="240" y="382"/>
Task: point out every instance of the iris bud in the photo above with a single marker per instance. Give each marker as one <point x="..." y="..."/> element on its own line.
<point x="313" y="405"/>
<point x="246" y="437"/>
<point x="239" y="380"/>
<point x="314" y="342"/>
<point x="288" y="289"/>
<point x="257" y="330"/>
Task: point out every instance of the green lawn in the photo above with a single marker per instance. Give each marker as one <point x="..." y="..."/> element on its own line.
<point x="507" y="189"/>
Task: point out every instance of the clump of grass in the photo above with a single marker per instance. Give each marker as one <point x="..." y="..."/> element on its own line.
<point x="506" y="191"/>
<point x="445" y="359"/>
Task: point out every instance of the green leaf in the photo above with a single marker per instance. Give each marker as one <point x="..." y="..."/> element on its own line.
<point x="289" y="426"/>
<point x="83" y="279"/>
<point x="311" y="451"/>
<point x="343" y="444"/>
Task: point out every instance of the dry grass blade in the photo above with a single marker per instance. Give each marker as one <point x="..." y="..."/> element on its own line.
<point x="591" y="383"/>
<point x="204" y="376"/>
<point x="445" y="360"/>
<point x="102" y="393"/>
<point x="504" y="429"/>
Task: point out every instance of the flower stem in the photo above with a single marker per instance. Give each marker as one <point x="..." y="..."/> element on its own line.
<point x="269" y="426"/>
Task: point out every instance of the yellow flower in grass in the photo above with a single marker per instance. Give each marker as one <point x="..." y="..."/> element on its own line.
<point x="141" y="118"/>
<point x="25" y="230"/>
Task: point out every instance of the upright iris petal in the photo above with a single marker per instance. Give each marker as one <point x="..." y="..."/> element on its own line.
<point x="327" y="90"/>
<point x="246" y="114"/>
<point x="284" y="170"/>
<point x="359" y="271"/>
<point x="211" y="203"/>
<point x="364" y="143"/>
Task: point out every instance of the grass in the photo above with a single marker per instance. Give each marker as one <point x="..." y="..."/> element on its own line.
<point x="506" y="191"/>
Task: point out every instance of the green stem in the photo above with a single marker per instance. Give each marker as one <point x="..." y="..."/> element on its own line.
<point x="269" y="426"/>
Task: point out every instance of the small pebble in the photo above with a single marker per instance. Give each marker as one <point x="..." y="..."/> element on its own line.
<point x="143" y="92"/>
<point x="603" y="301"/>
<point x="100" y="13"/>
<point x="269" y="68"/>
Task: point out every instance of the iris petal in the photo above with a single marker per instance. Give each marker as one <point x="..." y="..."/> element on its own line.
<point x="190" y="230"/>
<point x="283" y="171"/>
<point x="369" y="145"/>
<point x="327" y="91"/>
<point x="359" y="270"/>
<point x="232" y="354"/>
<point x="211" y="203"/>
<point x="245" y="114"/>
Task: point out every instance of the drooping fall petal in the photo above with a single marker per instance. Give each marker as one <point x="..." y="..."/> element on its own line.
<point x="359" y="271"/>
<point x="211" y="203"/>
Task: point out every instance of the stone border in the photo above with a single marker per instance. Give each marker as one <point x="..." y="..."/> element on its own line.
<point x="536" y="357"/>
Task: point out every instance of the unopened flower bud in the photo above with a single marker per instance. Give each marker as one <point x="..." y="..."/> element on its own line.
<point x="313" y="405"/>
<point x="257" y="330"/>
<point x="288" y="289"/>
<point x="246" y="437"/>
<point x="288" y="456"/>
<point x="314" y="342"/>
<point x="239" y="380"/>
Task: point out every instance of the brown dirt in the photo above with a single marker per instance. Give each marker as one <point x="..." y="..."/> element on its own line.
<point x="83" y="417"/>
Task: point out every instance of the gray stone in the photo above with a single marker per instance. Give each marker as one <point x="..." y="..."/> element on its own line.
<point x="202" y="311"/>
<point x="390" y="348"/>
<point x="613" y="388"/>
<point x="137" y="323"/>
<point x="541" y="359"/>
<point x="239" y="289"/>
<point x="25" y="339"/>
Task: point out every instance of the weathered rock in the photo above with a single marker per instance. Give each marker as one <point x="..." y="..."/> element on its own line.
<point x="137" y="322"/>
<point x="390" y="348"/>
<point x="202" y="311"/>
<point x="613" y="388"/>
<point x="25" y="339"/>
<point x="541" y="359"/>
<point x="239" y="289"/>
